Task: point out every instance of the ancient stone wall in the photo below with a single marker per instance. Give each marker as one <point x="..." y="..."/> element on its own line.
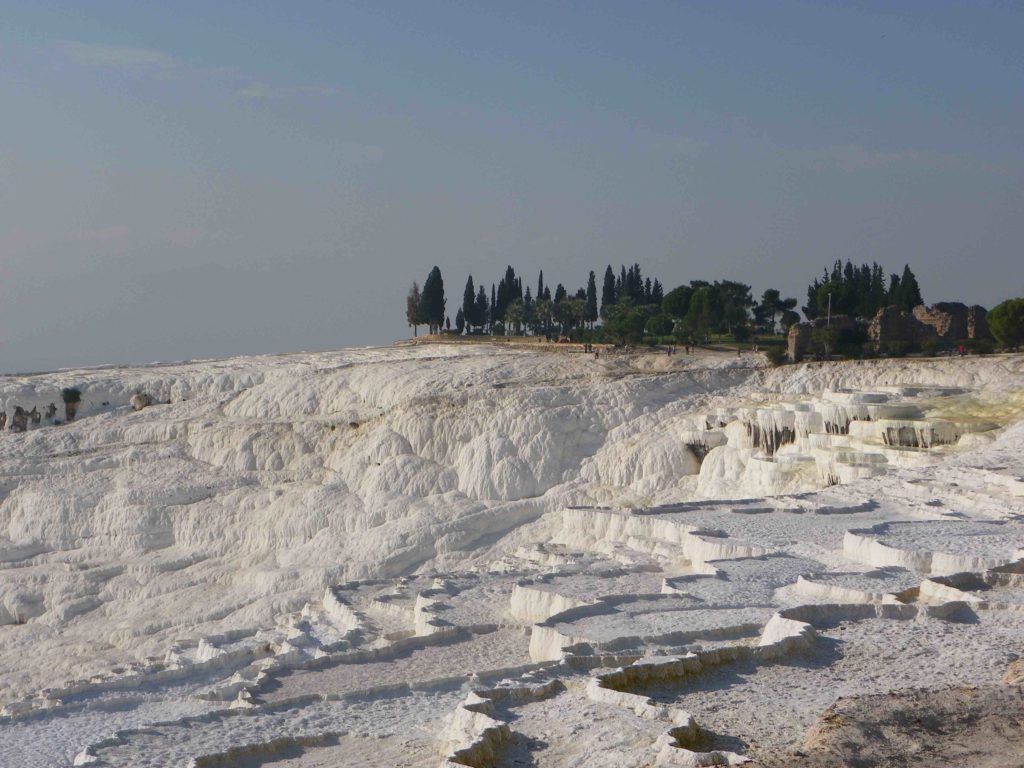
<point x="954" y="321"/>
<point x="893" y="324"/>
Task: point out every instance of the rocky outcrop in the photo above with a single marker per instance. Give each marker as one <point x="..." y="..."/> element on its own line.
<point x="954" y="321"/>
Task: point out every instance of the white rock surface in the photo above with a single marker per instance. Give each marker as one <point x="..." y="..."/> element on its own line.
<point x="289" y="555"/>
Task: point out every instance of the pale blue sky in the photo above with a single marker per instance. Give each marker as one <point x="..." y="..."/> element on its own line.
<point x="193" y="179"/>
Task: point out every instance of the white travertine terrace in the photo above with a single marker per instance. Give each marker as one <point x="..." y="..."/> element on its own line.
<point x="451" y="556"/>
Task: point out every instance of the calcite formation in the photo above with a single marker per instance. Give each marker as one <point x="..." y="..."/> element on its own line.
<point x="472" y="556"/>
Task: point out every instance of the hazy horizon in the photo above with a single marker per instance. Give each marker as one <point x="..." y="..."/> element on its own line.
<point x="202" y="181"/>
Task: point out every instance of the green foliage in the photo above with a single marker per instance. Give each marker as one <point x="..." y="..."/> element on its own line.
<point x="908" y="294"/>
<point x="480" y="307"/>
<point x="703" y="315"/>
<point x="789" y="318"/>
<point x="677" y="302"/>
<point x="71" y="395"/>
<point x="468" y="302"/>
<point x="591" y="312"/>
<point x="569" y="313"/>
<point x="432" y="302"/>
<point x="625" y="323"/>
<point x="776" y="355"/>
<point x="414" y="307"/>
<point x="515" y="316"/>
<point x="1006" y="321"/>
<point x="824" y="341"/>
<point x="771" y="305"/>
<point x="859" y="291"/>
<point x="979" y="346"/>
<point x="608" y="291"/>
<point x="741" y="333"/>
<point x="897" y="348"/>
<point x="460" y="320"/>
<point x="659" y="325"/>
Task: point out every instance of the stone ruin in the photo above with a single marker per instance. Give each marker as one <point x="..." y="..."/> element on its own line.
<point x="954" y="321"/>
<point x="946" y="322"/>
<point x="801" y="335"/>
<point x="895" y="325"/>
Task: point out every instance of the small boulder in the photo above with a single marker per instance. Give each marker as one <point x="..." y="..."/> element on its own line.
<point x="141" y="400"/>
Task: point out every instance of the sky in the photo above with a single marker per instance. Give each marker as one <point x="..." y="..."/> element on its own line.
<point x="195" y="179"/>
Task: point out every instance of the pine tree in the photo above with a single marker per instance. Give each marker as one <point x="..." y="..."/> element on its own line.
<point x="560" y="293"/>
<point x="591" y="311"/>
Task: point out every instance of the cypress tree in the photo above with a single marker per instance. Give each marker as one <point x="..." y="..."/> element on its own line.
<point x="498" y="310"/>
<point x="468" y="301"/>
<point x="480" y="308"/>
<point x="494" y="307"/>
<point x="432" y="303"/>
<point x="607" y="291"/>
<point x="591" y="312"/>
<point x="560" y="293"/>
<point x="894" y="295"/>
<point x="657" y="293"/>
<point x="413" y="308"/>
<point x="910" y="292"/>
<point x="877" y="287"/>
<point x="540" y="285"/>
